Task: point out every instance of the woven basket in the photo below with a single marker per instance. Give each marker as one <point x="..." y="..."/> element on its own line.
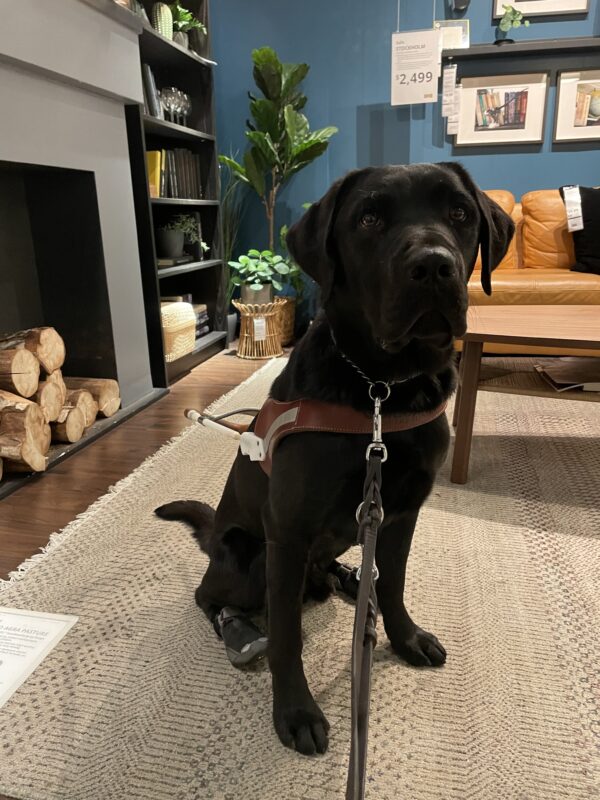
<point x="287" y="314"/>
<point x="260" y="333"/>
<point x="179" y="329"/>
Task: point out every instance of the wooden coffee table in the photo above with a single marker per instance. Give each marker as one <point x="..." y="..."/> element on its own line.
<point x="550" y="326"/>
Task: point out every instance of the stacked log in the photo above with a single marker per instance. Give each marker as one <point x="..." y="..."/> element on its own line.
<point x="24" y="433"/>
<point x="34" y="412"/>
<point x="105" y="392"/>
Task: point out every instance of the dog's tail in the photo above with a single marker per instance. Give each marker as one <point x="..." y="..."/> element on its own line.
<point x="200" y="516"/>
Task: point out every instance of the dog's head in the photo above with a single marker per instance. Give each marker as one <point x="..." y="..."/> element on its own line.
<point x="397" y="245"/>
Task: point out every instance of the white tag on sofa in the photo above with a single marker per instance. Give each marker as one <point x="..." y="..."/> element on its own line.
<point x="572" y="197"/>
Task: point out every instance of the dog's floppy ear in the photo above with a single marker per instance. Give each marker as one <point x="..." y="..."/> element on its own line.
<point x="310" y="241"/>
<point x="496" y="228"/>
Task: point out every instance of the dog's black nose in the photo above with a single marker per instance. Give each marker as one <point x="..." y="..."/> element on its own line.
<point x="433" y="264"/>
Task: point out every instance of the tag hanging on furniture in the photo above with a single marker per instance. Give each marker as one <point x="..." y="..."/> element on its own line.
<point x="572" y="198"/>
<point x="260" y="329"/>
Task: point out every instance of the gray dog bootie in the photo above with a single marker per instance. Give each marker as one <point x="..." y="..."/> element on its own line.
<point x="244" y="642"/>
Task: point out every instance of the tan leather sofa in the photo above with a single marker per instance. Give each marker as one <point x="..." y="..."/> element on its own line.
<point x="536" y="268"/>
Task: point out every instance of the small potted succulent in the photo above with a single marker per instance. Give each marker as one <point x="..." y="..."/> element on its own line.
<point x="183" y="23"/>
<point x="511" y="19"/>
<point x="171" y="238"/>
<point x="257" y="273"/>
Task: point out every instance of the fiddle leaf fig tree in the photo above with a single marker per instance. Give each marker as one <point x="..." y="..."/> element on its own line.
<point x="279" y="136"/>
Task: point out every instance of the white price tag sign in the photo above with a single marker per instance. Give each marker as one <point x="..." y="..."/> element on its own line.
<point x="448" y="90"/>
<point x="572" y="197"/>
<point x="415" y="67"/>
<point x="260" y="329"/>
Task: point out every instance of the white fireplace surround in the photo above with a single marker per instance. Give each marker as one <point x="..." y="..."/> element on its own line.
<point x="67" y="69"/>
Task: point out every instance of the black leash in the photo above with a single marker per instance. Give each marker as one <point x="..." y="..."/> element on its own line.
<point x="369" y="516"/>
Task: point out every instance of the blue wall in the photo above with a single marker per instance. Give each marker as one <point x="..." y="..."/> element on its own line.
<point x="347" y="44"/>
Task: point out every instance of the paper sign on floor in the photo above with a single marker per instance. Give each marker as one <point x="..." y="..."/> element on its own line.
<point x="26" y="638"/>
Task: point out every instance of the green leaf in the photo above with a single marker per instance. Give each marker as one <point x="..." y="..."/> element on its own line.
<point x="236" y="168"/>
<point x="296" y="126"/>
<point x="267" y="72"/>
<point x="235" y="280"/>
<point x="266" y="117"/>
<point x="265" y="145"/>
<point x="256" y="286"/>
<point x="292" y="75"/>
<point x="266" y="253"/>
<point x="527" y="23"/>
<point x="254" y="253"/>
<point x="277" y="259"/>
<point x="324" y="134"/>
<point x="282" y="269"/>
<point x="277" y="285"/>
<point x="255" y="175"/>
<point x="306" y="153"/>
<point x="234" y="264"/>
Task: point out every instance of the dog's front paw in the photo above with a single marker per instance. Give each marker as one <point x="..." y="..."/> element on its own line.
<point x="303" y="729"/>
<point x="421" y="649"/>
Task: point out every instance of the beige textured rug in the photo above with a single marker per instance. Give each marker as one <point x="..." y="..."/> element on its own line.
<point x="139" y="701"/>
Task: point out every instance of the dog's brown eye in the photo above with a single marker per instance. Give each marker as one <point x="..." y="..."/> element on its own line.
<point x="458" y="214"/>
<point x="369" y="220"/>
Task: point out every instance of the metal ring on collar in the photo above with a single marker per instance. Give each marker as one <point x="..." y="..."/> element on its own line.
<point x="359" y="511"/>
<point x="384" y="397"/>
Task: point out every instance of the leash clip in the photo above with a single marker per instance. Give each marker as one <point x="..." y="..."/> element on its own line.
<point x="375" y="573"/>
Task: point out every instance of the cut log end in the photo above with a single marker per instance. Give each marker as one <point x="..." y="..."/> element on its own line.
<point x="49" y="398"/>
<point x="48" y="346"/>
<point x="105" y="392"/>
<point x="19" y="372"/>
<point x="69" y="427"/>
<point x="84" y="401"/>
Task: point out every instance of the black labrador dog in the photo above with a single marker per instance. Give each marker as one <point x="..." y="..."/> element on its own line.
<point x="392" y="249"/>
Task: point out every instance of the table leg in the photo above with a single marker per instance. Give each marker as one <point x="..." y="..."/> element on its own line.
<point x="461" y="367"/>
<point x="466" y="412"/>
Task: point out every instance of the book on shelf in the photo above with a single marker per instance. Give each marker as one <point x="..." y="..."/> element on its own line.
<point x="179" y="174"/>
<point x="566" y="374"/>
<point x="153" y="164"/>
<point x="200" y="332"/>
<point x="174" y="262"/>
<point x="151" y="92"/>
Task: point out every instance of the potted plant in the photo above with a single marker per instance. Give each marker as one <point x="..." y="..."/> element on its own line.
<point x="257" y="274"/>
<point x="280" y="140"/>
<point x="184" y="22"/>
<point x="511" y="19"/>
<point x="171" y="238"/>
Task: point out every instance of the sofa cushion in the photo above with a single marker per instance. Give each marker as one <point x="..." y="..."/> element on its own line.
<point x="536" y="287"/>
<point x="587" y="241"/>
<point x="506" y="201"/>
<point x="547" y="244"/>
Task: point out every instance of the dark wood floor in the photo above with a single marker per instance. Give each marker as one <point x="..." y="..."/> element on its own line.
<point x="52" y="500"/>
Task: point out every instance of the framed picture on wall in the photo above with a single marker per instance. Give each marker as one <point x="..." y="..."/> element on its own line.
<point x="538" y="8"/>
<point x="502" y="109"/>
<point x="578" y="106"/>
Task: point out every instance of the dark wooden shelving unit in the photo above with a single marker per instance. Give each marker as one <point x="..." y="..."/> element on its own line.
<point x="178" y="201"/>
<point x="173" y="65"/>
<point x="173" y="131"/>
<point x="194" y="266"/>
<point x="529" y="47"/>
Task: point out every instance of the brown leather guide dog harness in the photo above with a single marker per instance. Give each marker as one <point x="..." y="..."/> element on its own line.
<point x="279" y="419"/>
